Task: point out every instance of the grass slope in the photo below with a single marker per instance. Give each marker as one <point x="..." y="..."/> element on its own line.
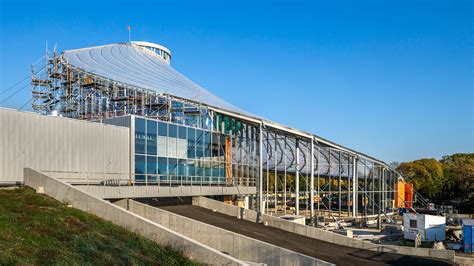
<point x="36" y="229"/>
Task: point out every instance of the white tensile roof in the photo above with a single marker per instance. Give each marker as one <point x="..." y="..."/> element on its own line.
<point x="131" y="64"/>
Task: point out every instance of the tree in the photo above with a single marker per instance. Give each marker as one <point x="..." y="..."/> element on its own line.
<point x="451" y="177"/>
<point x="459" y="169"/>
<point x="426" y="175"/>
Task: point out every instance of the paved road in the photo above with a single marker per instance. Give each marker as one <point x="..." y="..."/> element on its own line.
<point x="340" y="255"/>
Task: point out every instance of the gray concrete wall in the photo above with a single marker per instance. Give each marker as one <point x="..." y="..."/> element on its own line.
<point x="113" y="192"/>
<point x="238" y="246"/>
<point x="62" y="147"/>
<point x="319" y="234"/>
<point x="126" y="219"/>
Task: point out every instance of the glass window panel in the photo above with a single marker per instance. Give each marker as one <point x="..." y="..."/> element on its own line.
<point x="140" y="179"/>
<point x="222" y="170"/>
<point x="215" y="169"/>
<point x="140" y="168"/>
<point x="182" y="167"/>
<point x="191" y="142"/>
<point x="151" y="165"/>
<point x="222" y="144"/>
<point x="199" y="143"/>
<point x="215" y="145"/>
<point x="140" y="164"/>
<point x="199" y="168"/>
<point x="140" y="136"/>
<point x="173" y="131"/>
<point x="207" y="144"/>
<point x="140" y="125"/>
<point x="162" y="129"/>
<point x="191" y="171"/>
<point x="207" y="168"/>
<point x="162" y="165"/>
<point x="173" y="165"/>
<point x="151" y="137"/>
<point x="182" y="132"/>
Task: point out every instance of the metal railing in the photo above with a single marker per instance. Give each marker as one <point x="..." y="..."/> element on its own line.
<point x="127" y="179"/>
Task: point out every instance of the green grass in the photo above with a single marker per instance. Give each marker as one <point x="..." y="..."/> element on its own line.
<point x="36" y="229"/>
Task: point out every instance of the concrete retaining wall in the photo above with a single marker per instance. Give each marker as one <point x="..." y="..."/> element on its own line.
<point x="128" y="220"/>
<point x="319" y="234"/>
<point x="236" y="245"/>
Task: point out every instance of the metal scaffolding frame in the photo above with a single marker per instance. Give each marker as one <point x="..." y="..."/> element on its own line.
<point x="296" y="172"/>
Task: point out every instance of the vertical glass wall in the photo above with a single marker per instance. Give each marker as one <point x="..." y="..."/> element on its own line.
<point x="178" y="154"/>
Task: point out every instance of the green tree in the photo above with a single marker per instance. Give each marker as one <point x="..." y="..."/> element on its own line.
<point x="459" y="170"/>
<point x="426" y="175"/>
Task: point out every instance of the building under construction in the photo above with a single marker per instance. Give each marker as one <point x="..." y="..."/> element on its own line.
<point x="182" y="135"/>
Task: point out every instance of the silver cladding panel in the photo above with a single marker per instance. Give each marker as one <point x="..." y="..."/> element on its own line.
<point x="130" y="64"/>
<point x="59" y="144"/>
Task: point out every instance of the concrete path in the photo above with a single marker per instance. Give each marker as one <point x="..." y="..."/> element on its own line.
<point x="339" y="255"/>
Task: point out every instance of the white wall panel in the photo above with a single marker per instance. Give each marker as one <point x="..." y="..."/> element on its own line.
<point x="69" y="148"/>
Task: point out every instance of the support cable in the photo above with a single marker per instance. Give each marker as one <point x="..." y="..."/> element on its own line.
<point x="14" y="93"/>
<point x="23" y="79"/>
<point x="14" y="85"/>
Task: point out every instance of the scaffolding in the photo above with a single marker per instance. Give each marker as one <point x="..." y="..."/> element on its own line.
<point x="296" y="172"/>
<point x="78" y="94"/>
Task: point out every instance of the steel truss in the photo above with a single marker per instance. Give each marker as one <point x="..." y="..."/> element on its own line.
<point x="295" y="172"/>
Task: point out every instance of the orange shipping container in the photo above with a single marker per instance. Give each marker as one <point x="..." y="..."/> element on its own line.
<point x="408" y="196"/>
<point x="400" y="194"/>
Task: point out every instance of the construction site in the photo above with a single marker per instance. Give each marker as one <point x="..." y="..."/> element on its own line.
<point x="118" y="126"/>
<point x="230" y="146"/>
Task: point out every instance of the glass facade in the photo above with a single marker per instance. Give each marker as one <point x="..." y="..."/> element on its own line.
<point x="159" y="52"/>
<point x="178" y="154"/>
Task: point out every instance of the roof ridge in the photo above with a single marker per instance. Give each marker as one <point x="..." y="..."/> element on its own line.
<point x="93" y="47"/>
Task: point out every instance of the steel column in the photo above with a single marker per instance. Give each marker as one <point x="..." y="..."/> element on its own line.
<point x="260" y="178"/>
<point x="297" y="185"/>
<point x="339" y="185"/>
<point x="276" y="174"/>
<point x="348" y="185"/>
<point x="284" y="179"/>
<point x="319" y="170"/>
<point x="355" y="184"/>
<point x="311" y="188"/>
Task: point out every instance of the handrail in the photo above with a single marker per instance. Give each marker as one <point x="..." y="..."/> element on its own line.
<point x="127" y="179"/>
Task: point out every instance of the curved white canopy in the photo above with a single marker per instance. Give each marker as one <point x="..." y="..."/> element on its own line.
<point x="130" y="64"/>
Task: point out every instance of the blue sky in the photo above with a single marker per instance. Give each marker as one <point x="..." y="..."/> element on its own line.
<point x="393" y="79"/>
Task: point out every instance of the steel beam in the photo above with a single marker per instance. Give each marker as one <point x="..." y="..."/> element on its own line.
<point x="260" y="177"/>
